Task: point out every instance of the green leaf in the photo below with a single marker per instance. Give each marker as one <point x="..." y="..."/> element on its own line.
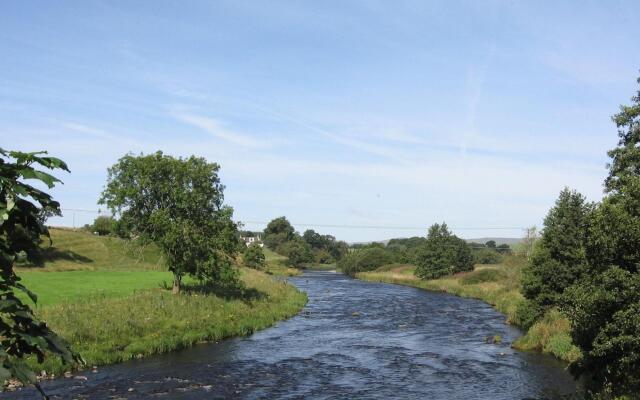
<point x="28" y="292"/>
<point x="49" y="180"/>
<point x="10" y="202"/>
<point x="21" y="372"/>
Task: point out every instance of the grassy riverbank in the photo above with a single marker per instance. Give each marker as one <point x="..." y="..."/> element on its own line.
<point x="116" y="312"/>
<point x="499" y="286"/>
<point x="277" y="264"/>
<point x="109" y="330"/>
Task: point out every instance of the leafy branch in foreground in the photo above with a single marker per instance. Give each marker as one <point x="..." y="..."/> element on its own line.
<point x="21" y="226"/>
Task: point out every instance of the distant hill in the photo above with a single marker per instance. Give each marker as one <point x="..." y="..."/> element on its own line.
<point x="499" y="241"/>
<point x="384" y="242"/>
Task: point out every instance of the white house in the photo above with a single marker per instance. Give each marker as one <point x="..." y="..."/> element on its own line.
<point x="254" y="238"/>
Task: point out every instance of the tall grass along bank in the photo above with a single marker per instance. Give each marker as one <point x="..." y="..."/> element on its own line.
<point x="107" y="330"/>
<point x="499" y="286"/>
<point x="105" y="296"/>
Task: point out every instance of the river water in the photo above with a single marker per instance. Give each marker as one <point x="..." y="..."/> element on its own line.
<point x="353" y="340"/>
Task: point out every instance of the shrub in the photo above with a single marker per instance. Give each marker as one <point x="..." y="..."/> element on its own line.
<point x="254" y="256"/>
<point x="486" y="256"/>
<point x="527" y="313"/>
<point x="322" y="257"/>
<point x="366" y="259"/>
<point x="103" y="225"/>
<point x="298" y="252"/>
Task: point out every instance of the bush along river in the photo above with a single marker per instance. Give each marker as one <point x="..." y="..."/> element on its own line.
<point x="354" y="339"/>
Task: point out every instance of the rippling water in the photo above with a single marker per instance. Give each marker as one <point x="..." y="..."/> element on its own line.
<point x="354" y="339"/>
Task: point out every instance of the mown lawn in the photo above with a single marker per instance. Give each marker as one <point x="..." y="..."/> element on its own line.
<point x="73" y="286"/>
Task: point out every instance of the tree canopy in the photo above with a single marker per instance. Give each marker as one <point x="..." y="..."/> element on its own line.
<point x="604" y="306"/>
<point x="103" y="225"/>
<point x="298" y="252"/>
<point x="442" y="254"/>
<point x="278" y="231"/>
<point x="253" y="256"/>
<point x="326" y="249"/>
<point x="177" y="203"/>
<point x="559" y="259"/>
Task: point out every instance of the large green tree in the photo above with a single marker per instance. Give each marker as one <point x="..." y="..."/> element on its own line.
<point x="442" y="254"/>
<point x="604" y="307"/>
<point x="298" y="252"/>
<point x="22" y="206"/>
<point x="177" y="203"/>
<point x="278" y="231"/>
<point x="405" y="250"/>
<point x="325" y="248"/>
<point x="558" y="260"/>
<point x="604" y="310"/>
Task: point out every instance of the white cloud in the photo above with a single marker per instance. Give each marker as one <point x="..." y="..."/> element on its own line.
<point x="216" y="129"/>
<point x="81" y="128"/>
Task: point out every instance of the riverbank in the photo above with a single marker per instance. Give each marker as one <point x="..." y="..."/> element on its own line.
<point x="116" y="312"/>
<point x="276" y="264"/>
<point x="111" y="330"/>
<point x="355" y="340"/>
<point x="497" y="285"/>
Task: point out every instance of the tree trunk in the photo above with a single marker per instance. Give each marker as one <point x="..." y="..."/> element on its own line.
<point x="176" y="286"/>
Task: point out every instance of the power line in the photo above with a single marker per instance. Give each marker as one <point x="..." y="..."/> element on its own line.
<point x="421" y="228"/>
<point x="83" y="210"/>
<point x="347" y="226"/>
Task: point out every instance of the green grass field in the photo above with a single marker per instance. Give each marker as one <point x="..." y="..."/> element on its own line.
<point x="72" y="286"/>
<point x="112" y="329"/>
<point x="498" y="285"/>
<point x="105" y="296"/>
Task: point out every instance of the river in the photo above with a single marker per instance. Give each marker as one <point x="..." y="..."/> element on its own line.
<point x="353" y="340"/>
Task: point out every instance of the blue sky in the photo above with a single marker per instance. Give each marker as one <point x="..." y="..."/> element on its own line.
<point x="361" y="113"/>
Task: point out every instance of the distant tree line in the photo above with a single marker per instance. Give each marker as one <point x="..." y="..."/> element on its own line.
<point x="438" y="254"/>
<point x="301" y="250"/>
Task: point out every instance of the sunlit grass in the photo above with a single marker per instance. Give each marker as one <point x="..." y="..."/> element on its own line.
<point x="106" y="330"/>
<point x="74" y="249"/>
<point x="71" y="286"/>
<point x="550" y="335"/>
<point x="104" y="295"/>
<point x="277" y="264"/>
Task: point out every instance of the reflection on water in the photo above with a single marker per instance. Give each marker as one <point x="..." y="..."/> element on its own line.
<point x="353" y="340"/>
